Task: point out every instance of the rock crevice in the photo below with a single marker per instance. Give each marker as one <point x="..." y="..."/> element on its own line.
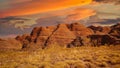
<point x="50" y="36"/>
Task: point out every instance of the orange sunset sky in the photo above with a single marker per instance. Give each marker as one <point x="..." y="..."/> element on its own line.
<point x="21" y="16"/>
<point x="26" y="7"/>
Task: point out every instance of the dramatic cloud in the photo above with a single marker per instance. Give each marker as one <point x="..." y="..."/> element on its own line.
<point x="18" y="22"/>
<point x="79" y="14"/>
<point x="51" y="18"/>
<point x="65" y="16"/>
<point x="39" y="6"/>
<point x="21" y="16"/>
<point x="105" y="13"/>
<point x="11" y="26"/>
<point x="95" y="20"/>
<point x="8" y="29"/>
<point x="108" y="1"/>
<point x="110" y="21"/>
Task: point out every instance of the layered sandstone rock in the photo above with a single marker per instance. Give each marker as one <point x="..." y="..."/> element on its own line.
<point x="62" y="36"/>
<point x="80" y="30"/>
<point x="43" y="35"/>
<point x="24" y="39"/>
<point x="71" y="35"/>
<point x="65" y="35"/>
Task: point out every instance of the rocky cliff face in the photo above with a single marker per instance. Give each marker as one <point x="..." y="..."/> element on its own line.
<point x="100" y="30"/>
<point x="71" y="35"/>
<point x="115" y="30"/>
<point x="80" y="30"/>
<point x="61" y="35"/>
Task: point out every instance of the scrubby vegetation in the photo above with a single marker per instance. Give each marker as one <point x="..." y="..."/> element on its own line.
<point x="59" y="57"/>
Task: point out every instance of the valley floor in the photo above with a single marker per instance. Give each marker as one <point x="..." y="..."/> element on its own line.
<point x="57" y="57"/>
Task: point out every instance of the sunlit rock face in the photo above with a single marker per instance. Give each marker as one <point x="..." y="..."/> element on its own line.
<point x="71" y="35"/>
<point x="80" y="30"/>
<point x="61" y="35"/>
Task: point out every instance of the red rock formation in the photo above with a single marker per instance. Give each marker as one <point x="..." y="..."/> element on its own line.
<point x="106" y="29"/>
<point x="70" y="35"/>
<point x="34" y="33"/>
<point x="22" y="38"/>
<point x="115" y="31"/>
<point x="62" y="36"/>
<point x="44" y="34"/>
<point x="98" y="40"/>
<point x="80" y="30"/>
<point x="100" y="30"/>
<point x="76" y="42"/>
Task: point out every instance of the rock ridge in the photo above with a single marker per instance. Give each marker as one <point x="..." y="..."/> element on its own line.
<point x="71" y="35"/>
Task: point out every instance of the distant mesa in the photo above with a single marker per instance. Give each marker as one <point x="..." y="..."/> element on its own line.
<point x="71" y="35"/>
<point x="10" y="44"/>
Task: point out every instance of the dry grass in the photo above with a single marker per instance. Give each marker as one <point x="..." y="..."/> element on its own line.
<point x="58" y="57"/>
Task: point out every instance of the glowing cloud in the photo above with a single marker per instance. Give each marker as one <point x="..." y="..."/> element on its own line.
<point x="40" y="6"/>
<point x="80" y="14"/>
